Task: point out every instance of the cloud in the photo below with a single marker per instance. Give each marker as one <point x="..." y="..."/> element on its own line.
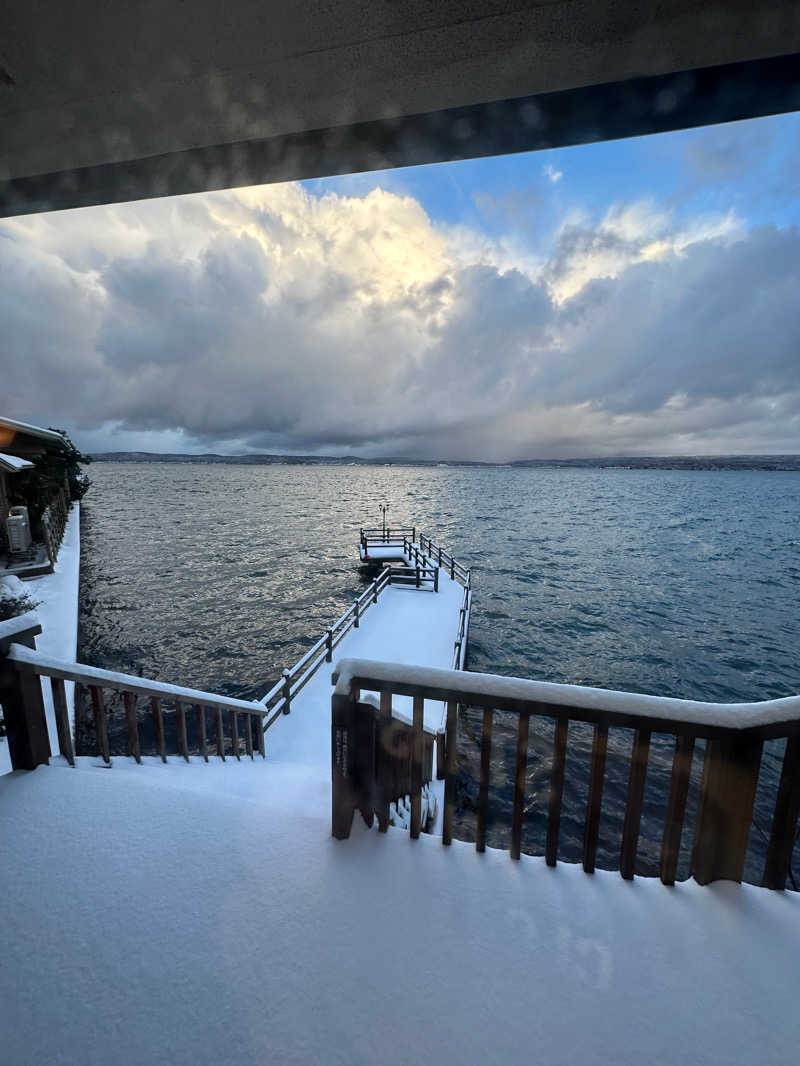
<point x="550" y="172"/>
<point x="274" y="319"/>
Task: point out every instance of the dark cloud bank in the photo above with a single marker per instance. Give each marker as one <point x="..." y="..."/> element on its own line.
<point x="690" y="351"/>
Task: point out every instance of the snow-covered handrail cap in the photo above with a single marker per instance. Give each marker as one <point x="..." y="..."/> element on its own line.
<point x="494" y="690"/>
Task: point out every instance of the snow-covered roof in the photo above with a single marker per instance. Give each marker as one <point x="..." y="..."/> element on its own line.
<point x="12" y="464"/>
<point x="33" y="431"/>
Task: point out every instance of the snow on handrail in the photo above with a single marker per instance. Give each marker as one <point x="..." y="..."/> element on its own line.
<point x="494" y="690"/>
<point x="92" y="675"/>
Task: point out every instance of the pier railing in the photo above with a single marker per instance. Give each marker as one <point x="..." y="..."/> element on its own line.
<point x="233" y="723"/>
<point x="278" y="700"/>
<point x="734" y="735"/>
<point x="436" y="553"/>
<point x="422" y="549"/>
<point x="389" y="537"/>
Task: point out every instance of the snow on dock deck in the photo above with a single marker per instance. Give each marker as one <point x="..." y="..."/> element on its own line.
<point x="202" y="914"/>
<point x="407" y="625"/>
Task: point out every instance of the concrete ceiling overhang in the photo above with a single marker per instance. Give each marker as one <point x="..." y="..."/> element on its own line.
<point x="102" y="102"/>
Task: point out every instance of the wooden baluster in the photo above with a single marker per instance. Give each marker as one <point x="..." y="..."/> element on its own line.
<point x="62" y="719"/>
<point x="383" y="761"/>
<point x="676" y="807"/>
<point x="417" y="741"/>
<point x="287" y="693"/>
<point x="556" y="789"/>
<point x="132" y="725"/>
<point x="180" y="721"/>
<point x="235" y="734"/>
<point x="200" y="712"/>
<point x="355" y="614"/>
<point x="452" y="568"/>
<point x="519" y="785"/>
<point x="483" y="790"/>
<point x="417" y="573"/>
<point x="450" y="772"/>
<point x="248" y="735"/>
<point x="633" y="809"/>
<point x="260" y="738"/>
<point x="220" y="735"/>
<point x="440" y="756"/>
<point x="100" y="727"/>
<point x="594" y="801"/>
<point x="328" y="646"/>
<point x="784" y="820"/>
<point x="158" y="727"/>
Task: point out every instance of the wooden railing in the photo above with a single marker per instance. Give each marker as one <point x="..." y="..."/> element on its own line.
<point x="23" y="709"/>
<point x="733" y="733"/>
<point x="54" y="522"/>
<point x="397" y="756"/>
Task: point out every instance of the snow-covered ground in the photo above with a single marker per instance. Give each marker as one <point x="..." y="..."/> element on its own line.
<point x="57" y="595"/>
<point x="203" y="914"/>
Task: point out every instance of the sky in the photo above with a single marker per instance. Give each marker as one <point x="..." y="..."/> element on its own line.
<point x="637" y="297"/>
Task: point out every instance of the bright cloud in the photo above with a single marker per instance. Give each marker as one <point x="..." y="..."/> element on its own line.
<point x="273" y="318"/>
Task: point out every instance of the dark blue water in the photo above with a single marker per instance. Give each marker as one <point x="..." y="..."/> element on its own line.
<point x="681" y="583"/>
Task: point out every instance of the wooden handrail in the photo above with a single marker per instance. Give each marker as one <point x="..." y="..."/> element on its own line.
<point x="734" y="735"/>
<point x="45" y="665"/>
<point x="27" y="665"/>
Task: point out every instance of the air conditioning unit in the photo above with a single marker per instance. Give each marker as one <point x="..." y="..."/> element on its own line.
<point x="18" y="529"/>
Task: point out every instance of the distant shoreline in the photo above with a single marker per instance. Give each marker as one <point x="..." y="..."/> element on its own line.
<point x="641" y="462"/>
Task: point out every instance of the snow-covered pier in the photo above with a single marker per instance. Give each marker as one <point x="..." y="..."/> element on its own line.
<point x="266" y="939"/>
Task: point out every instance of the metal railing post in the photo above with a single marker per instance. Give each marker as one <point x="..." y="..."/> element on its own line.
<point x="287" y="691"/>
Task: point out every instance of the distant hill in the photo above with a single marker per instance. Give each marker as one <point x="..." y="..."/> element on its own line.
<point x="639" y="462"/>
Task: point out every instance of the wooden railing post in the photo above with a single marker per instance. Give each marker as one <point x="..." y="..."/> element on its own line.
<point x="287" y="691"/>
<point x="383" y="761"/>
<point x="452" y="568"/>
<point x="352" y="762"/>
<point x="417" y="742"/>
<point x="375" y="591"/>
<point x="355" y="614"/>
<point x="23" y="709"/>
<point x="727" y="794"/>
<point x="329" y="646"/>
<point x="450" y="772"/>
<point x="417" y="573"/>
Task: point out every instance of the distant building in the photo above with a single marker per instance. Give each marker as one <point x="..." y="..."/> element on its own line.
<point x="34" y="497"/>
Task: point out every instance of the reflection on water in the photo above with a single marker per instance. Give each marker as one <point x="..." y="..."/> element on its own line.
<point x="671" y="582"/>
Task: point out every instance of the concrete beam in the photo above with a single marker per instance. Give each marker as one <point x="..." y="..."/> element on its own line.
<point x="103" y="102"/>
